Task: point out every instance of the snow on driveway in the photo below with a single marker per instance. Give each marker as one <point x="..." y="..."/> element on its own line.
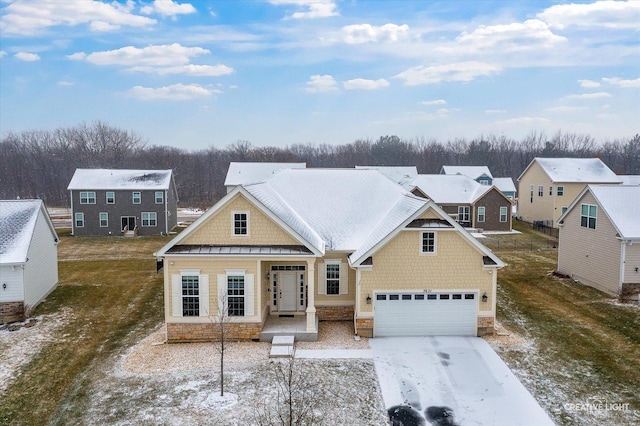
<point x="451" y="380"/>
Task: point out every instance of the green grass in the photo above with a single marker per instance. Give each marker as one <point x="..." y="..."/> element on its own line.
<point x="112" y="303"/>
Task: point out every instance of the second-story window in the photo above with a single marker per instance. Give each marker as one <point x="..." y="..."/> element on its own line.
<point x="87" y="197"/>
<point x="159" y="197"/>
<point x="137" y="198"/>
<point x="111" y="197"/>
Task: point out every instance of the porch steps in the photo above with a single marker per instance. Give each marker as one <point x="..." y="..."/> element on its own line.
<point x="282" y="347"/>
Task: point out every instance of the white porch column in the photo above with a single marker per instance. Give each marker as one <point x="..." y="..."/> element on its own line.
<point x="311" y="291"/>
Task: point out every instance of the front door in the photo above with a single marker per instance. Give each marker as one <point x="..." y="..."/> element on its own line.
<point x="128" y="223"/>
<point x="287" y="291"/>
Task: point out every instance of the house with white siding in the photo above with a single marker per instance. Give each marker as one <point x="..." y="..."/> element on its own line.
<point x="28" y="257"/>
<point x="327" y="244"/>
<point x="599" y="241"/>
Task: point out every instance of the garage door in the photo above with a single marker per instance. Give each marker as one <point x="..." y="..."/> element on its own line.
<point x="420" y="314"/>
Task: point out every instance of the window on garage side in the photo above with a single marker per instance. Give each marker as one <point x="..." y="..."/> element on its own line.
<point x="428" y="243"/>
<point x="481" y="214"/>
<point x="235" y="295"/>
<point x="588" y="215"/>
<point x="190" y="295"/>
<point x="503" y="214"/>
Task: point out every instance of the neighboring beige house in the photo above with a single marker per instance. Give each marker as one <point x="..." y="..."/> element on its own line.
<point x="549" y="185"/>
<point x="599" y="242"/>
<point x="28" y="257"/>
<point x="328" y="244"/>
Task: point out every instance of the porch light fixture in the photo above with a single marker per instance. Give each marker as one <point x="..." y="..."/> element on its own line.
<point x="268" y="276"/>
<point x="485" y="298"/>
<point x="368" y="299"/>
<point x="4" y="286"/>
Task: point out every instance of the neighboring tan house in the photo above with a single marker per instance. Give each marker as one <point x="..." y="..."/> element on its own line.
<point x="327" y="244"/>
<point x="599" y="242"/>
<point x="240" y="173"/>
<point x="549" y="185"/>
<point x="123" y="202"/>
<point x="468" y="202"/>
<point x="28" y="257"/>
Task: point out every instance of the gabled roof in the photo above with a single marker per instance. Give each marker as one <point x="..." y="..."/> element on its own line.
<point x="450" y="189"/>
<point x="101" y="179"/>
<point x="504" y="184"/>
<point x="568" y="170"/>
<point x="247" y="173"/>
<point x="621" y="204"/>
<point x="17" y="224"/>
<point x="474" y="172"/>
<point x="630" y="179"/>
<point x="398" y="174"/>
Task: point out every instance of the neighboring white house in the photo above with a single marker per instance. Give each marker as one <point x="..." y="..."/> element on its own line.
<point x="28" y="257"/>
<point x="245" y="173"/>
<point x="599" y="242"/>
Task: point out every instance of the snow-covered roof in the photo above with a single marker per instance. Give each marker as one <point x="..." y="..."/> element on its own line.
<point x="398" y="174"/>
<point x="621" y="204"/>
<point x="17" y="224"/>
<point x="504" y="184"/>
<point x="474" y="172"/>
<point x="587" y="170"/>
<point x="450" y="189"/>
<point x="248" y="173"/>
<point x="101" y="179"/>
<point x="630" y="179"/>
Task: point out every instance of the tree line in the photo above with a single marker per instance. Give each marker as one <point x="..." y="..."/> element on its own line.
<point x="40" y="163"/>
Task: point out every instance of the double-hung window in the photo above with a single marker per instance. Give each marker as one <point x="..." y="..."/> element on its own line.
<point x="463" y="213"/>
<point x="87" y="197"/>
<point x="560" y="191"/>
<point x="190" y="295"/>
<point x="104" y="219"/>
<point x="79" y="220"/>
<point x="588" y="215"/>
<point x="149" y="219"/>
<point x="137" y="197"/>
<point x="503" y="214"/>
<point x="240" y="223"/>
<point x="235" y="295"/>
<point x="110" y="197"/>
<point x="531" y="194"/>
<point x="428" y="243"/>
<point x="159" y="197"/>
<point x="481" y="214"/>
<point x="540" y="190"/>
<point x="333" y="278"/>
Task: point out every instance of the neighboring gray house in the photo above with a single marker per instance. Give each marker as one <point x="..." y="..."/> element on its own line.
<point x="599" y="241"/>
<point x="28" y="257"/>
<point x="123" y="202"/>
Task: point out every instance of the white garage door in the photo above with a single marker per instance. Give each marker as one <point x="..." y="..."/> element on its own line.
<point x="420" y="314"/>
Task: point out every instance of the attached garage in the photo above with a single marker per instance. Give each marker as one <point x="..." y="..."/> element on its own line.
<point x="425" y="314"/>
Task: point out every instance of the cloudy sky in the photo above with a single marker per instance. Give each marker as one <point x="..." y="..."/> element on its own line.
<point x="281" y="72"/>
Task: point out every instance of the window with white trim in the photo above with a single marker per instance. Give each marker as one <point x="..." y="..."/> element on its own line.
<point x="481" y="215"/>
<point x="190" y="295"/>
<point x="428" y="242"/>
<point x="564" y="209"/>
<point x="159" y="197"/>
<point x="333" y="278"/>
<point x="136" y="197"/>
<point x="110" y="197"/>
<point x="463" y="213"/>
<point x="484" y="182"/>
<point x="531" y="194"/>
<point x="560" y="191"/>
<point x="79" y="220"/>
<point x="550" y="191"/>
<point x="235" y="295"/>
<point x="588" y="215"/>
<point x="104" y="219"/>
<point x="540" y="190"/>
<point x="87" y="197"/>
<point x="240" y="223"/>
<point x="503" y="214"/>
<point x="149" y="219"/>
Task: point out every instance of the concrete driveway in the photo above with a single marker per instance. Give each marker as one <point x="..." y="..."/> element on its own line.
<point x="451" y="381"/>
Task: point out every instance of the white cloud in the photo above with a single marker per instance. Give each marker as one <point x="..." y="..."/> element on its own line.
<point x="530" y="34"/>
<point x="617" y="81"/>
<point x="597" y="95"/>
<point x="27" y="57"/>
<point x="601" y="14"/>
<point x="155" y="55"/>
<point x="495" y="111"/>
<point x="177" y="92"/>
<point x="565" y="108"/>
<point x="190" y="69"/>
<point x="366" y="33"/>
<point x="2" y="53"/>
<point x="523" y="120"/>
<point x="434" y="102"/>
<point x="29" y="18"/>
<point x="607" y="116"/>
<point x="364" y="84"/>
<point x="78" y="56"/>
<point x="588" y="83"/>
<point x="321" y="84"/>
<point x="65" y="83"/>
<point x="312" y="8"/>
<point x="168" y="8"/>
<point x="460" y="71"/>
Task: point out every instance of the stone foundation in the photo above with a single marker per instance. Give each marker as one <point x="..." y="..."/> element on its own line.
<point x="630" y="292"/>
<point x="12" y="312"/>
<point x="334" y="313"/>
<point x="199" y="332"/>
<point x="486" y="325"/>
<point x="364" y="327"/>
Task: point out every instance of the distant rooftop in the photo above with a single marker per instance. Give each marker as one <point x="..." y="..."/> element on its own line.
<point x="101" y="179"/>
<point x="398" y="174"/>
<point x="450" y="189"/>
<point x="247" y="173"/>
<point x="587" y="170"/>
<point x="630" y="179"/>
<point x="474" y="172"/>
<point x="622" y="204"/>
<point x="17" y="224"/>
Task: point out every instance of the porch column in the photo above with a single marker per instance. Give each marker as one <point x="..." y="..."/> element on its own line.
<point x="311" y="291"/>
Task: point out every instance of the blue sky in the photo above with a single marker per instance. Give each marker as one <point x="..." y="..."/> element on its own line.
<point x="281" y="72"/>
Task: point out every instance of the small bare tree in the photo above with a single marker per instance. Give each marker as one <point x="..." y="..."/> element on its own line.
<point x="221" y="324"/>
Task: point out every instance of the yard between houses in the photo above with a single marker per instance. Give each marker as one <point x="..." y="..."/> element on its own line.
<point x="576" y="350"/>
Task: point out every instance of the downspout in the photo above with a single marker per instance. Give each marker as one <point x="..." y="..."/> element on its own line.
<point x="166" y="212"/>
<point x="73" y="218"/>
<point x="623" y="248"/>
<point x="356" y="310"/>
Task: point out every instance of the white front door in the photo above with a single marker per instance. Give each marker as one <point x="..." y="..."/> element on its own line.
<point x="287" y="291"/>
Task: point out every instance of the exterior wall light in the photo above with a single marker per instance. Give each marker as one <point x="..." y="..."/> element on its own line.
<point x="485" y="298"/>
<point x="368" y="299"/>
<point x="4" y="286"/>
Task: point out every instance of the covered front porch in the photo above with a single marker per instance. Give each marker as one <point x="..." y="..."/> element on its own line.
<point x="294" y="325"/>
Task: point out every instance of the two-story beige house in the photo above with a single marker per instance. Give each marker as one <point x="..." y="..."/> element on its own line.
<point x="599" y="241"/>
<point x="549" y="185"/>
<point x="328" y="244"/>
